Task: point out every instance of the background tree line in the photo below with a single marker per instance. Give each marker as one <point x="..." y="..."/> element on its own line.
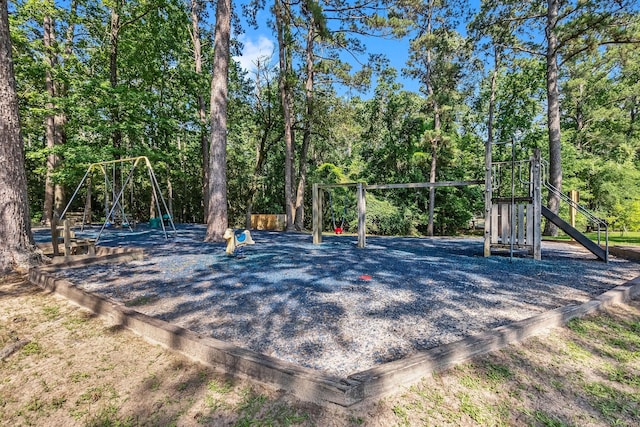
<point x="100" y="80"/>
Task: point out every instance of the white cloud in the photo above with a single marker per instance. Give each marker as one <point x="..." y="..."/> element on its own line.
<point x="254" y="51"/>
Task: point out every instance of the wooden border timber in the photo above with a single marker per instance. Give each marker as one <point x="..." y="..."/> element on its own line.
<point x="361" y="187"/>
<point x="311" y="385"/>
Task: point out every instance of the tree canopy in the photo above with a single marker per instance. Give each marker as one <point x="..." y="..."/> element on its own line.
<point x="98" y="80"/>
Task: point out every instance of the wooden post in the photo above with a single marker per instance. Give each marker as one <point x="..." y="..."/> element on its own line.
<point x="487" y="199"/>
<point x="537" y="204"/>
<point x="362" y="214"/>
<point x="67" y="237"/>
<point x="575" y="198"/>
<point x="317" y="214"/>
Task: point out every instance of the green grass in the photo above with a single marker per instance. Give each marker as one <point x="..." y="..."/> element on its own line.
<point x="220" y="387"/>
<point x="585" y="374"/>
<point x="51" y="312"/>
<point x="255" y="409"/>
<point x="616" y="238"/>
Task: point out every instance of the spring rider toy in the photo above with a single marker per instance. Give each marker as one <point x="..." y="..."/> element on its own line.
<point x="236" y="241"/>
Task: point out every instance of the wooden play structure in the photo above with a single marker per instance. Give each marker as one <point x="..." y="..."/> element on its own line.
<point x="513" y="207"/>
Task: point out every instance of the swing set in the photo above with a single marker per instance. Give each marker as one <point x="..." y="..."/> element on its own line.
<point x="338" y="229"/>
<point x="122" y="170"/>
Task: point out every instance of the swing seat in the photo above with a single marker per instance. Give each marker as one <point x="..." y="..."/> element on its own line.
<point x="338" y="230"/>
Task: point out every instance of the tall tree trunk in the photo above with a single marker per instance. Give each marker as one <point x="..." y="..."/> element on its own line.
<point x="61" y="88"/>
<point x="217" y="210"/>
<point x="116" y="137"/>
<point x="553" y="112"/>
<point x="202" y="112"/>
<point x="54" y="134"/>
<point x="436" y="127"/>
<point x="50" y="123"/>
<point x="17" y="248"/>
<point x="285" y="68"/>
<point x="116" y="133"/>
<point x="308" y="127"/>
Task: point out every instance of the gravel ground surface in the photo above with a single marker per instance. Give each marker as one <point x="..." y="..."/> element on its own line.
<point x="334" y="307"/>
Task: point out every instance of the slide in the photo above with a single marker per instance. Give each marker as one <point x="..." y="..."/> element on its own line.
<point x="575" y="234"/>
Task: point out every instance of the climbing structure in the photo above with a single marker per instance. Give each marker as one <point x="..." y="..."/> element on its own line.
<point x="513" y="202"/>
<point x="514" y="209"/>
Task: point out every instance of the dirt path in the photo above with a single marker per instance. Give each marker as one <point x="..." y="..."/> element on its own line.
<point x="80" y="370"/>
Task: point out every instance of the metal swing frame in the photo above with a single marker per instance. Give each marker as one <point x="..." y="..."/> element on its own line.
<point x="110" y="187"/>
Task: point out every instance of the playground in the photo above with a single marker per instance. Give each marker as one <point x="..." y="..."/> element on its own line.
<point x="333" y="307"/>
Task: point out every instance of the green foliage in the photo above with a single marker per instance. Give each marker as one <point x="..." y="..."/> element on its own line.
<point x="383" y="218"/>
<point x="392" y="136"/>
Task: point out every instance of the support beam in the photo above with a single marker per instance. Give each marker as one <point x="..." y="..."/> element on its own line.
<point x="537" y="204"/>
<point x="488" y="194"/>
<point x="317" y="214"/>
<point x="422" y="185"/>
<point x="362" y="214"/>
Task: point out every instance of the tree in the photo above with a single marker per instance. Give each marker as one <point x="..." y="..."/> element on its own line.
<point x="438" y="55"/>
<point x="202" y="114"/>
<point x="16" y="242"/>
<point x="217" y="204"/>
<point x="285" y="59"/>
<point x="570" y="28"/>
<point x="54" y="195"/>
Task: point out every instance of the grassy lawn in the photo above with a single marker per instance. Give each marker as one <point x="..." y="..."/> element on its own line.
<point x="81" y="370"/>
<point x="616" y="238"/>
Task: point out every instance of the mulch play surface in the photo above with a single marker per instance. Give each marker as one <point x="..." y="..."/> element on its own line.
<point x="337" y="308"/>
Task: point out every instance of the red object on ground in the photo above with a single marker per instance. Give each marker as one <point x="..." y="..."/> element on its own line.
<point x="338" y="230"/>
<point x="365" y="277"/>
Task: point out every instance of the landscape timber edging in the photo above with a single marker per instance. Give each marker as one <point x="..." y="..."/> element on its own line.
<point x="307" y="384"/>
<point x="311" y="385"/>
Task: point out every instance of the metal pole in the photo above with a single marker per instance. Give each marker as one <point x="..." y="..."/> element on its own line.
<point x="75" y="193"/>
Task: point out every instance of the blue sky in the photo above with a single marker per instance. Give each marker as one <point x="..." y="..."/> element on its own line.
<point x="260" y="43"/>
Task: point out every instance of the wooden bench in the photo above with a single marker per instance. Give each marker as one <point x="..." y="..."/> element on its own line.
<point x="72" y="244"/>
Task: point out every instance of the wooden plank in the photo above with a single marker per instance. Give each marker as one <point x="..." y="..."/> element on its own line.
<point x="505" y="219"/>
<point x="268" y="221"/>
<point x="509" y="199"/>
<point x="347" y="184"/>
<point x="521" y="225"/>
<point x="494" y="224"/>
<point x="423" y="185"/>
<point x="530" y="229"/>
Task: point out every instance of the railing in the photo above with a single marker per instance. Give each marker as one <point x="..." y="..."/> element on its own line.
<point x="522" y="166"/>
<point x="599" y="222"/>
